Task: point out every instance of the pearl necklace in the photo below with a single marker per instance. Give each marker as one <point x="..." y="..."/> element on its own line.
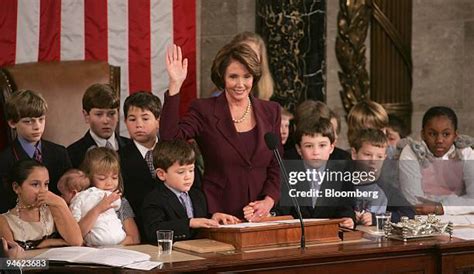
<point x="244" y="116"/>
<point x="42" y="216"/>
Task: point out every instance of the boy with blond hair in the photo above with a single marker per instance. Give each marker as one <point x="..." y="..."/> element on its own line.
<point x="369" y="150"/>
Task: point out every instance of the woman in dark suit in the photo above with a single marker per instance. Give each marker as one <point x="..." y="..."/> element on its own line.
<point x="240" y="171"/>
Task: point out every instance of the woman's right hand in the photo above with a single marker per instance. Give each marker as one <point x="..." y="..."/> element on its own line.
<point x="177" y="69"/>
<point x="107" y="201"/>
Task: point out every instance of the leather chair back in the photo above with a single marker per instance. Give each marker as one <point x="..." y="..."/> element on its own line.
<point x="62" y="84"/>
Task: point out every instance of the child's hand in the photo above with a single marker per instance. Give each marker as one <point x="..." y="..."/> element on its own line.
<point x="225" y="219"/>
<point x="107" y="202"/>
<point x="347" y="223"/>
<point x="202" y="222"/>
<point x="12" y="249"/>
<point x="177" y="68"/>
<point x="50" y="199"/>
<point x="364" y="218"/>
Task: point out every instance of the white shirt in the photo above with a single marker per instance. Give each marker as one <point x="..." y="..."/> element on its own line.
<point x="107" y="229"/>
<point x="101" y="141"/>
<point x="411" y="181"/>
<point x="143" y="150"/>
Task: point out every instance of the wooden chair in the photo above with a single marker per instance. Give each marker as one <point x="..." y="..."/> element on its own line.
<point x="62" y="84"/>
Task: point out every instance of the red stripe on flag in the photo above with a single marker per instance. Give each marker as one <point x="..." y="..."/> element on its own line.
<point x="8" y="19"/>
<point x="95" y="30"/>
<point x="184" y="30"/>
<point x="139" y="65"/>
<point x="50" y="31"/>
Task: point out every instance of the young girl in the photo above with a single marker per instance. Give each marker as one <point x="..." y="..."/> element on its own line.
<point x="432" y="185"/>
<point x="264" y="88"/>
<point x="40" y="218"/>
<point x="286" y="117"/>
<point x="107" y="230"/>
<point x="102" y="167"/>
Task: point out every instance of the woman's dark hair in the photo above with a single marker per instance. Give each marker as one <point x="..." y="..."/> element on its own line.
<point x="440" y="111"/>
<point x="241" y="53"/>
<point x="21" y="170"/>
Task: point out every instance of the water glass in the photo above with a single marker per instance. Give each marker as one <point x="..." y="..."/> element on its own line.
<point x="382" y="219"/>
<point x="165" y="241"/>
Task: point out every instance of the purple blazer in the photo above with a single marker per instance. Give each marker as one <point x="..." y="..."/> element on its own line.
<point x="231" y="178"/>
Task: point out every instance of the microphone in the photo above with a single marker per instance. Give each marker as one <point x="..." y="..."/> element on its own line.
<point x="272" y="142"/>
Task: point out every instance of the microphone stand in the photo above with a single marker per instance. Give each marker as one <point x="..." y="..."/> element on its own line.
<point x="293" y="199"/>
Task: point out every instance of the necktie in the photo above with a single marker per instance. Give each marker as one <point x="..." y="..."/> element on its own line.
<point x="109" y="145"/>
<point x="149" y="162"/>
<point x="315" y="185"/>
<point x="37" y="155"/>
<point x="186" y="202"/>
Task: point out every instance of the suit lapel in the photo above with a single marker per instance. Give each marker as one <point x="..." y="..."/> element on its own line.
<point x="140" y="162"/>
<point x="89" y="141"/>
<point x="226" y="127"/>
<point x="18" y="151"/>
<point x="122" y="141"/>
<point x="174" y="202"/>
<point x="199" y="210"/>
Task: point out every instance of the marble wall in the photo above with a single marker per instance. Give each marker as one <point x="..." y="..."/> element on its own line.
<point x="442" y="49"/>
<point x="443" y="59"/>
<point x="219" y="21"/>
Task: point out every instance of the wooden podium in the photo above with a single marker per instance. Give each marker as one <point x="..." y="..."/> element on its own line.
<point x="275" y="233"/>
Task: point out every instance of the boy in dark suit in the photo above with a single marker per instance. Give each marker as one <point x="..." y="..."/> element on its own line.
<point x="26" y="113"/>
<point x="142" y="115"/>
<point x="100" y="105"/>
<point x="173" y="204"/>
<point x="314" y="144"/>
<point x="313" y="111"/>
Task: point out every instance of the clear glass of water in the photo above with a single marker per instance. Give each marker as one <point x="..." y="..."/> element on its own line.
<point x="165" y="241"/>
<point x="382" y="219"/>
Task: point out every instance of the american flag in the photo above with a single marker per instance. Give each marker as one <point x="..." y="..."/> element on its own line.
<point x="132" y="34"/>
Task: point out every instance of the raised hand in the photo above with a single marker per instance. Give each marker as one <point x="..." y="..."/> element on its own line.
<point x="177" y="68"/>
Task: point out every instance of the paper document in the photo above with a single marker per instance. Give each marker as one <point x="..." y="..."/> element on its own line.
<point x="245" y="225"/>
<point x="457" y="220"/>
<point x="146" y="265"/>
<point x="297" y="221"/>
<point x="464" y="233"/>
<point x="104" y="256"/>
